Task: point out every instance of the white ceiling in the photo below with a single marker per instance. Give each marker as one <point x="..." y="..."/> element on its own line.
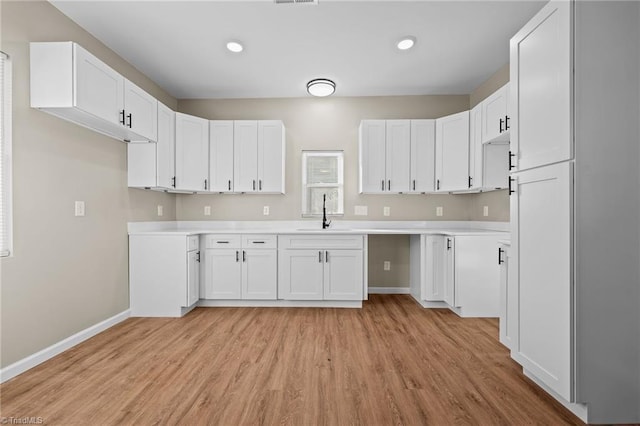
<point x="181" y="44"/>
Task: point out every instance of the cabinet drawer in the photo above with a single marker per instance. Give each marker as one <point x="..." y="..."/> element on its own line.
<point x="193" y="242"/>
<point x="222" y="241"/>
<point x="320" y="242"/>
<point x="259" y="241"/>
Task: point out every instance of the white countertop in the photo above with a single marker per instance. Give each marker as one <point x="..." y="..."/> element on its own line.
<point x="314" y="228"/>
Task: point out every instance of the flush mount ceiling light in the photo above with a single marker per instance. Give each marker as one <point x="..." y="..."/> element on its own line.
<point x="235" y="46"/>
<point x="321" y="87"/>
<point x="406" y="43"/>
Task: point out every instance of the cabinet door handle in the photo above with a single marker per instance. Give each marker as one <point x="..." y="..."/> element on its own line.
<point x="222" y="242"/>
<point x="320" y="257"/>
<point x="437" y="184"/>
<point x="501" y="122"/>
<point x="237" y="256"/>
<point x="254" y="184"/>
<point x="326" y="256"/>
<point x="506" y="123"/>
<point x="122" y="117"/>
<point x="511" y="191"/>
<point x="383" y="184"/>
<point x="511" y="165"/>
<point x="414" y="184"/>
<point x="470" y="180"/>
<point x="130" y="121"/>
<point x="500" y="261"/>
<point x="205" y="184"/>
<point x="244" y="256"/>
<point x="229" y="185"/>
<point x="258" y="242"/>
<point x="198" y="257"/>
<point x="448" y="243"/>
<point x="389" y="185"/>
<point x="260" y="184"/>
<point x="173" y="181"/>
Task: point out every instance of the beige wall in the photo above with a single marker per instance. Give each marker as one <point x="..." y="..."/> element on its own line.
<point x="493" y="83"/>
<point x="67" y="273"/>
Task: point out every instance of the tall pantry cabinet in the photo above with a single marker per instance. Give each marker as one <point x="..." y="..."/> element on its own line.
<point x="575" y="205"/>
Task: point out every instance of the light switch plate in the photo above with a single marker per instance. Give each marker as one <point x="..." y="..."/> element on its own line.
<point x="207" y="210"/>
<point x="265" y="210"/>
<point x="386" y="211"/>
<point x="485" y="211"/>
<point x="160" y="210"/>
<point x="387" y="265"/>
<point x="439" y="211"/>
<point x="79" y="208"/>
<point x="361" y="211"/>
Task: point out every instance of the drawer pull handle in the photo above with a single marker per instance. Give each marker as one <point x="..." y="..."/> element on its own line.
<point x="258" y="242"/>
<point x="222" y="242"/>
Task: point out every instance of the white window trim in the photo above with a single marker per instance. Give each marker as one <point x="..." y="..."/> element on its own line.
<point x="339" y="184"/>
<point x="7" y="158"/>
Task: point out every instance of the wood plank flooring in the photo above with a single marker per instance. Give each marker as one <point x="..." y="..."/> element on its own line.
<point x="390" y="363"/>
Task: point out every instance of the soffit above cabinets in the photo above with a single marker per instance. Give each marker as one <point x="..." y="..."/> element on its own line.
<point x="181" y="45"/>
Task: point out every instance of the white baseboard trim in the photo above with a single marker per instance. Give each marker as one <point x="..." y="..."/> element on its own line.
<point x="389" y="290"/>
<point x="31" y="361"/>
<point x="207" y="303"/>
<point x="580" y="410"/>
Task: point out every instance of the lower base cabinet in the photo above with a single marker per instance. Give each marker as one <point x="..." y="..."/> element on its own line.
<point x="508" y="298"/>
<point x="322" y="268"/>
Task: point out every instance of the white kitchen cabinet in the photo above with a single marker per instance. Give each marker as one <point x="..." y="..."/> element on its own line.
<point x="71" y="83"/>
<point x="541" y="70"/>
<point x="153" y="165"/>
<point x="449" y="271"/>
<point x="324" y="267"/>
<point x="496" y="122"/>
<point x="163" y="274"/>
<point x="422" y="156"/>
<point x="221" y="148"/>
<point x="396" y="156"/>
<point x="452" y="152"/>
<point x="508" y="298"/>
<point x="488" y="162"/>
<point x="434" y="268"/>
<point x="192" y="153"/>
<point x="259" y="156"/>
<point x="240" y="267"/>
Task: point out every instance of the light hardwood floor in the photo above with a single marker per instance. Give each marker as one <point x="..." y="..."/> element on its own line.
<point x="391" y="362"/>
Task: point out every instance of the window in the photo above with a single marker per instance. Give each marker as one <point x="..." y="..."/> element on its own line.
<point x="322" y="174"/>
<point x="5" y="155"/>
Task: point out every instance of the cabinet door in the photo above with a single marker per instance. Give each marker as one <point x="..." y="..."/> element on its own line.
<point x="141" y="165"/>
<point x="222" y="274"/>
<point x="271" y="155"/>
<point x="193" y="277"/>
<point x="343" y="274"/>
<point x="541" y="68"/>
<point x="475" y="148"/>
<point x="372" y="156"/>
<point x="398" y="155"/>
<point x="452" y="152"/>
<point x="99" y="89"/>
<point x="141" y="113"/>
<point x="422" y="157"/>
<point x="259" y="274"/>
<point x="449" y="272"/>
<point x="541" y="211"/>
<point x="508" y="299"/>
<point x="221" y="155"/>
<point x="166" y="147"/>
<point x="495" y="126"/>
<point x="434" y="266"/>
<point x="245" y="155"/>
<point x="300" y="274"/>
<point x="192" y="152"/>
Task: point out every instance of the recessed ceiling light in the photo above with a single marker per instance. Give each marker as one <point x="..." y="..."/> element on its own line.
<point x="321" y="87"/>
<point x="406" y="43"/>
<point x="235" y="46"/>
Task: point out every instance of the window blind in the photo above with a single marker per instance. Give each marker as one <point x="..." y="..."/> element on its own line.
<point x="5" y="154"/>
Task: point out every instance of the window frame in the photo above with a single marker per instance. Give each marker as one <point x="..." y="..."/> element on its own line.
<point x="6" y="166"/>
<point x="340" y="184"/>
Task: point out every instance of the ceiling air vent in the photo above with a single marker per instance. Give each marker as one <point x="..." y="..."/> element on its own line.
<point x="295" y="1"/>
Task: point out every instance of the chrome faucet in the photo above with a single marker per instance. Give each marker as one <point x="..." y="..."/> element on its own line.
<point x="325" y="222"/>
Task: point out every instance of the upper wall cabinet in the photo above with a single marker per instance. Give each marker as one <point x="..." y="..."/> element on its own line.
<point x="396" y="156"/>
<point x="247" y="156"/>
<point x="496" y="122"/>
<point x="488" y="162"/>
<point x="69" y="82"/>
<point x="192" y="153"/>
<point x="452" y="153"/>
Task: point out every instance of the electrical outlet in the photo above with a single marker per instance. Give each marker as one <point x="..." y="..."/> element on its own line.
<point x="361" y="210"/>
<point x="387" y="265"/>
<point x="439" y="211"/>
<point x="485" y="211"/>
<point x="386" y="211"/>
<point x="160" y="210"/>
<point x="207" y="210"/>
<point x="265" y="210"/>
<point x="79" y="208"/>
